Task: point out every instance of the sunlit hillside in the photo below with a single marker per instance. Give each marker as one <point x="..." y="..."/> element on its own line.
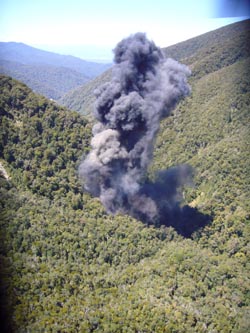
<point x="68" y="266"/>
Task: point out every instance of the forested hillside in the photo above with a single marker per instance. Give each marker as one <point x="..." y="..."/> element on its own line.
<point x="47" y="73"/>
<point x="67" y="266"/>
<point x="50" y="81"/>
<point x="82" y="98"/>
<point x="208" y="42"/>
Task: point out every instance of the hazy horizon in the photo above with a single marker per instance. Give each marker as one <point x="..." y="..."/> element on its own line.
<point x="94" y="53"/>
<point x="91" y="29"/>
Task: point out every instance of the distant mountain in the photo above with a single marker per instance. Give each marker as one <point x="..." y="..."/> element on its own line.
<point x="25" y="54"/>
<point x="47" y="73"/>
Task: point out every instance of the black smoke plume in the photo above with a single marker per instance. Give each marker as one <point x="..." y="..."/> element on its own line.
<point x="144" y="89"/>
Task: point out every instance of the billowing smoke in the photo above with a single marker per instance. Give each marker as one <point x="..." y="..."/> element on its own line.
<point x="144" y="88"/>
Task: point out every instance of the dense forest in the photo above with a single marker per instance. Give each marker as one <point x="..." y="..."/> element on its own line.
<point x="68" y="266"/>
<point x="50" y="81"/>
<point x="82" y="98"/>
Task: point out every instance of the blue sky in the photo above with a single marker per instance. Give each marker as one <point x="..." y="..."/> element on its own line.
<point x="92" y="28"/>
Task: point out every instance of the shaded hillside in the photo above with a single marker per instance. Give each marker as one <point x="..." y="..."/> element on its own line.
<point x="68" y="266"/>
<point x="82" y="99"/>
<point x="50" y="81"/>
<point x="47" y="73"/>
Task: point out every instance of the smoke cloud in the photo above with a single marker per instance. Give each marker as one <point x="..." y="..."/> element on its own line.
<point x="144" y="88"/>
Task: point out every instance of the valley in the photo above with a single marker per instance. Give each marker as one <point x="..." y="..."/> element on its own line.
<point x="69" y="266"/>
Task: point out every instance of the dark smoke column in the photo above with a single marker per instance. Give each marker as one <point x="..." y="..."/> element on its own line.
<point x="145" y="87"/>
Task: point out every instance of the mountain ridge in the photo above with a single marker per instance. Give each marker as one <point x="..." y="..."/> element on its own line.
<point x="203" y="54"/>
<point x="26" y="54"/>
<point x="47" y="73"/>
<point x="188" y="48"/>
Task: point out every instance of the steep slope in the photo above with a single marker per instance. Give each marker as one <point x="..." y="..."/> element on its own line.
<point x="50" y="81"/>
<point x="68" y="266"/>
<point x="209" y="40"/>
<point x="82" y="99"/>
<point x="210" y="131"/>
<point x="38" y="139"/>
